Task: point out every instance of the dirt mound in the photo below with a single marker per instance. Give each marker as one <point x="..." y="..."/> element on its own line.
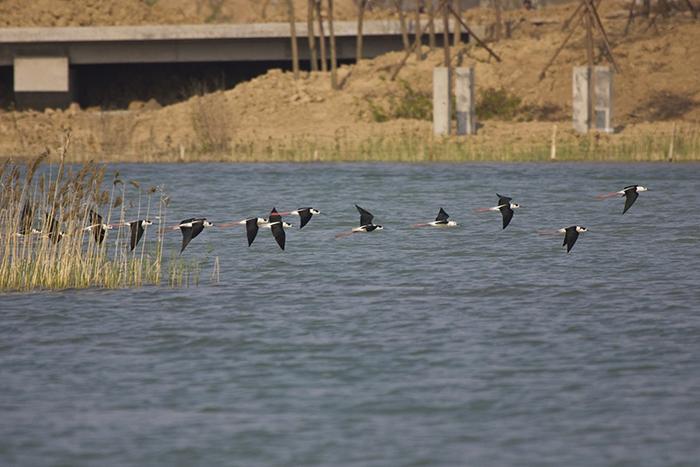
<point x="658" y="82"/>
<point x="21" y="13"/>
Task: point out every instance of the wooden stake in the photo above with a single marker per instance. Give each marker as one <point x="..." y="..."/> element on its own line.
<point x="331" y="33"/>
<point x="293" y="35"/>
<point x="322" y="37"/>
<point x="670" y="146"/>
<point x="553" y="148"/>
<point x="361" y="4"/>
<point x="311" y="34"/>
<point x="431" y="24"/>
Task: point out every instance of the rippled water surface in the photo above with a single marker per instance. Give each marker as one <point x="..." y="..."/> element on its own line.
<point x="470" y="346"/>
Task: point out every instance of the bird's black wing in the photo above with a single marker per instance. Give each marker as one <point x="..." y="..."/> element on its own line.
<point x="630" y="197"/>
<point x="251" y="229"/>
<point x="26" y="219"/>
<point x="136" y="233"/>
<point x="186" y="237"/>
<point x="95" y="218"/>
<point x="365" y="216"/>
<point x="442" y="215"/>
<point x="99" y="233"/>
<point x="503" y="200"/>
<point x="278" y="233"/>
<point x="274" y="216"/>
<point x="304" y="216"/>
<point x="54" y="233"/>
<point x="570" y="238"/>
<point x="507" y="214"/>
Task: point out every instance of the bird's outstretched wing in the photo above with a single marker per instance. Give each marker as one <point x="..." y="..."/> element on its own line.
<point x="304" y="216"/>
<point x="503" y="200"/>
<point x="507" y="214"/>
<point x="188" y="233"/>
<point x="630" y="197"/>
<point x="136" y="233"/>
<point x="570" y="238"/>
<point x="274" y="216"/>
<point x="278" y="233"/>
<point x="365" y="216"/>
<point x="442" y="215"/>
<point x="251" y="229"/>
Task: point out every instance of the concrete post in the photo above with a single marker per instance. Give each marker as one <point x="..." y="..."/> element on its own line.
<point x="465" y="102"/>
<point x="602" y="105"/>
<point x="602" y="99"/>
<point x="580" y="99"/>
<point x="441" y="101"/>
<point x="41" y="82"/>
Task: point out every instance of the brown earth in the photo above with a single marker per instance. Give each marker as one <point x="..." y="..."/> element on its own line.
<point x="658" y="84"/>
<point x="23" y="13"/>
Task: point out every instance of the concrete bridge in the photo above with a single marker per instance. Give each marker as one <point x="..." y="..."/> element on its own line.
<point x="43" y="58"/>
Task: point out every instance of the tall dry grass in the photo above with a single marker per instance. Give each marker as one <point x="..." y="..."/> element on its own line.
<point x="44" y="243"/>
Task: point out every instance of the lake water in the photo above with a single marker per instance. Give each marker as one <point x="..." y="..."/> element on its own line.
<point x="470" y="346"/>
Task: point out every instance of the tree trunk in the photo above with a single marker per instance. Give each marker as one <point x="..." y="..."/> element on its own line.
<point x="331" y="34"/>
<point x="431" y="24"/>
<point x="446" y="32"/>
<point x="499" y="20"/>
<point x="402" y="22"/>
<point x="419" y="36"/>
<point x="360" y="16"/>
<point x="322" y="37"/>
<point x="311" y="35"/>
<point x="457" y="34"/>
<point x="293" y="35"/>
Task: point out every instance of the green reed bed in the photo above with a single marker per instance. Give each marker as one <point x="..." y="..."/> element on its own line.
<point x="44" y="243"/>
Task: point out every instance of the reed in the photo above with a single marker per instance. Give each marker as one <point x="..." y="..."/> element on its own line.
<point x="44" y="243"/>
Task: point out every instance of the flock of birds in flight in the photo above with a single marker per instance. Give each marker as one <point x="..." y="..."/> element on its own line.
<point x="192" y="227"/>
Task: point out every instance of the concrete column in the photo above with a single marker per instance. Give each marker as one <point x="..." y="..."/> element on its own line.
<point x="580" y="99"/>
<point x="441" y="101"/>
<point x="465" y="102"/>
<point x="42" y="82"/>
<point x="602" y="99"/>
<point x="602" y="105"/>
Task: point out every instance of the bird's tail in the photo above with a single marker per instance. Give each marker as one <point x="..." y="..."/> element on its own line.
<point x="344" y="234"/>
<point x="608" y="195"/>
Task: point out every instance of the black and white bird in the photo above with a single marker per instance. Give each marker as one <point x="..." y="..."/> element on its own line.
<point x="505" y="206"/>
<point x="26" y="220"/>
<point x="137" y="228"/>
<point x="631" y="193"/>
<point x="97" y="227"/>
<point x="273" y="222"/>
<point x="305" y="215"/>
<point x="571" y="235"/>
<point x="442" y="220"/>
<point x="190" y="228"/>
<point x="366" y="224"/>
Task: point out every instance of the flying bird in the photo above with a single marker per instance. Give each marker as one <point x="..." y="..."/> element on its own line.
<point x="442" y="220"/>
<point x="137" y="228"/>
<point x="190" y="228"/>
<point x="305" y="215"/>
<point x="630" y="193"/>
<point x="366" y="224"/>
<point x="97" y="227"/>
<point x="571" y="235"/>
<point x="505" y="206"/>
<point x="277" y="225"/>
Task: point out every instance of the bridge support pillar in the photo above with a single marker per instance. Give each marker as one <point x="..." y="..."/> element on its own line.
<point x="464" y="93"/>
<point x="441" y="101"/>
<point x="41" y="82"/>
<point x="600" y="103"/>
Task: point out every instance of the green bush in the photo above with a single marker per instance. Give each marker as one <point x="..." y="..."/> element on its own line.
<point x="497" y="104"/>
<point x="406" y="103"/>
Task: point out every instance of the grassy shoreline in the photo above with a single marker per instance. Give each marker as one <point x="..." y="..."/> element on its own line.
<point x="411" y="142"/>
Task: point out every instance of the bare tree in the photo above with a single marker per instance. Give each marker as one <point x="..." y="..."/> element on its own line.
<point x="331" y="33"/>
<point x="457" y="32"/>
<point x="418" y="34"/>
<point x="311" y="35"/>
<point x="402" y="21"/>
<point x="361" y="4"/>
<point x="431" y="24"/>
<point x="293" y="35"/>
<point x="322" y="37"/>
